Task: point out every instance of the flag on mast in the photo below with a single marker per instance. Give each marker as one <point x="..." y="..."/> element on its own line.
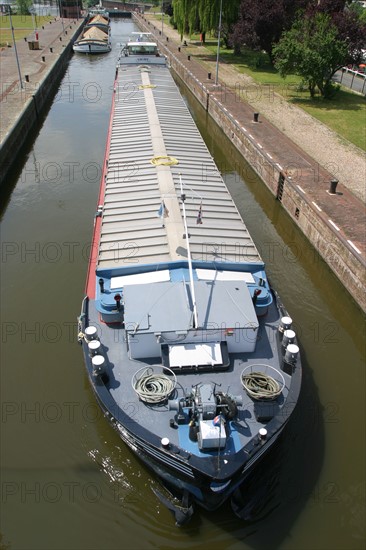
<point x="163" y="212"/>
<point x="199" y="216"/>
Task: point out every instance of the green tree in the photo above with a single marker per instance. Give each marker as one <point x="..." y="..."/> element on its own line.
<point x="203" y="15"/>
<point x="23" y="6"/>
<point x="311" y="49"/>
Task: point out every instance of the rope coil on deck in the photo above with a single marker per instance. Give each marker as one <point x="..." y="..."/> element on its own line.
<point x="146" y="86"/>
<point x="164" y="160"/>
<point x="152" y="387"/>
<point x="260" y="385"/>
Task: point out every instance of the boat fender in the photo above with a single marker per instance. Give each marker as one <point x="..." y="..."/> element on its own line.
<point x="91" y="333"/>
<point x="292" y="351"/>
<point x="285" y="324"/>
<point x="288" y="338"/>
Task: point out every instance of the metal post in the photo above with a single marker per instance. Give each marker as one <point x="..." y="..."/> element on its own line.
<point x="15" y="49"/>
<point x="34" y="25"/>
<point x="195" y="315"/>
<point x="62" y="18"/>
<point x="218" y="47"/>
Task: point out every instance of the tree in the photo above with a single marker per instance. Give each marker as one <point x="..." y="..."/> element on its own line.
<point x="313" y="50"/>
<point x="203" y="15"/>
<point x="261" y="22"/>
<point x="346" y="16"/>
<point x="351" y="29"/>
<point x="23" y="6"/>
<point x="168" y="7"/>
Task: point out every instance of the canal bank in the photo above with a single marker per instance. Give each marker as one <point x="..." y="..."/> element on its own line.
<point x="42" y="61"/>
<point x="330" y="216"/>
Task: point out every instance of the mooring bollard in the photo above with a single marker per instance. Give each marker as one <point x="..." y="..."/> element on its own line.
<point x="209" y="76"/>
<point x="43" y="59"/>
<point x="178" y="48"/>
<point x="189" y="58"/>
<point x="26" y="77"/>
<point x="51" y="50"/>
<point x="333" y="186"/>
<point x="256" y="115"/>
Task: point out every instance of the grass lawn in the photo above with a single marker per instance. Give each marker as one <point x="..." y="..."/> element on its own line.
<point x="22" y="24"/>
<point x="345" y="113"/>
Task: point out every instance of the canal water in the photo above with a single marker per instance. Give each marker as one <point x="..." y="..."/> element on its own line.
<point x="67" y="481"/>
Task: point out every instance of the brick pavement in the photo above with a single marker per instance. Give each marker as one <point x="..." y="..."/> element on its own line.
<point x="34" y="64"/>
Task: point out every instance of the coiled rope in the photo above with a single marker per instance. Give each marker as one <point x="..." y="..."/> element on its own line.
<point x="152" y="387"/>
<point x="261" y="386"/>
<point x="164" y="160"/>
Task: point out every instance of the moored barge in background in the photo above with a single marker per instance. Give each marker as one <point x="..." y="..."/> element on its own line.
<point x="188" y="349"/>
<point x="96" y="35"/>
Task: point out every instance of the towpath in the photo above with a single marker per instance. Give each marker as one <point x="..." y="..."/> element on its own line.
<point x="53" y="37"/>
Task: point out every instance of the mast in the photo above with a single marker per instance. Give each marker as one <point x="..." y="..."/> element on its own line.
<point x="183" y="197"/>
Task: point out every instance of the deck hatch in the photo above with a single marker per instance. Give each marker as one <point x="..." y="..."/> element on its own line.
<point x="142" y="125"/>
<point x="195" y="356"/>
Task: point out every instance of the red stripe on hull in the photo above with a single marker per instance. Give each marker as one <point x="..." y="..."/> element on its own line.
<point x="90" y="281"/>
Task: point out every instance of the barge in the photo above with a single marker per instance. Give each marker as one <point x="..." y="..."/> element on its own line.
<point x="188" y="349"/>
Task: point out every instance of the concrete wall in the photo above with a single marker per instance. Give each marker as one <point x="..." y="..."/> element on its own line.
<point x="349" y="268"/>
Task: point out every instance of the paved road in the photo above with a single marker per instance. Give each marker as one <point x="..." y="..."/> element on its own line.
<point x="351" y="80"/>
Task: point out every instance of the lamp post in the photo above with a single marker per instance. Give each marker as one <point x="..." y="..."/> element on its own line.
<point x="15" y="48"/>
<point x="218" y="47"/>
<point x="61" y="15"/>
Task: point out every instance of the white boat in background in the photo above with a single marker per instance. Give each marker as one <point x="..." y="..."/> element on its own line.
<point x="93" y="40"/>
<point x="99" y="10"/>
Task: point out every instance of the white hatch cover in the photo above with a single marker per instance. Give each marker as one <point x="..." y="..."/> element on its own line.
<point x="195" y="354"/>
<point x="212" y="274"/>
<point x="140" y="279"/>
